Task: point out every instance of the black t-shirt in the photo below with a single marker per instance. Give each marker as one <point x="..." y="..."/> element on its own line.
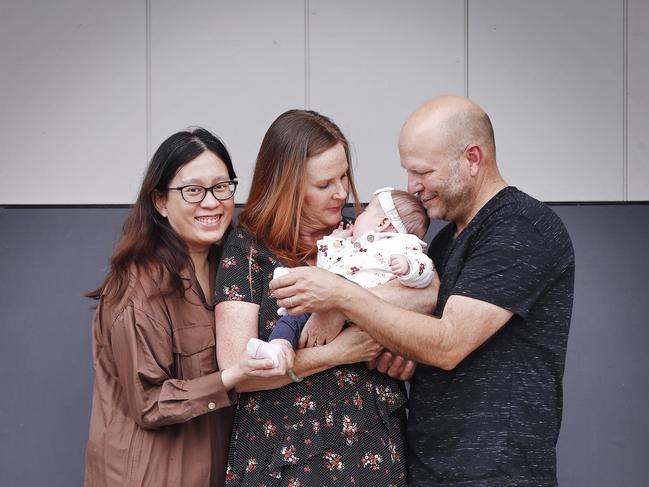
<point x="495" y="418"/>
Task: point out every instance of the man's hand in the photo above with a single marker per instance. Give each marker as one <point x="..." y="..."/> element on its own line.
<point x="395" y="366"/>
<point x="310" y="289"/>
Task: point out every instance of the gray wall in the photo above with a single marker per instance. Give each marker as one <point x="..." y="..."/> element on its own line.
<point x="48" y="256"/>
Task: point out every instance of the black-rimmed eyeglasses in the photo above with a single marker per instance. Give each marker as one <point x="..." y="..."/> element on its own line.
<point x="193" y="193"/>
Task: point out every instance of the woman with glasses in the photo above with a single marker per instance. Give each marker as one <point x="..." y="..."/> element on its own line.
<point x="161" y="412"/>
<point x="330" y="420"/>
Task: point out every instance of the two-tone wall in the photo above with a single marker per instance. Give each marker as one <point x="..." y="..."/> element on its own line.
<point x="88" y="89"/>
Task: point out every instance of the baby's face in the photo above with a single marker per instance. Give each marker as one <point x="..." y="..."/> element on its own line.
<point x="369" y="219"/>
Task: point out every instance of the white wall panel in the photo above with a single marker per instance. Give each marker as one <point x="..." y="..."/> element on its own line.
<point x="232" y="67"/>
<point x="638" y="108"/>
<point x="73" y="92"/>
<point x="372" y="63"/>
<point x="551" y="76"/>
<point x="72" y="110"/>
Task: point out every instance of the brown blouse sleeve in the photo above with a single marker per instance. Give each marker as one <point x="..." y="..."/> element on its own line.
<point x="143" y="353"/>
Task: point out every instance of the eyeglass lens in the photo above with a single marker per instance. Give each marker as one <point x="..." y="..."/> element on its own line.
<point x="221" y="191"/>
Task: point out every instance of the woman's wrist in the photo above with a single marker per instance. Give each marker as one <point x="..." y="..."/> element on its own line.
<point x="332" y="355"/>
<point x="293" y="376"/>
<point x="313" y="360"/>
<point x="231" y="376"/>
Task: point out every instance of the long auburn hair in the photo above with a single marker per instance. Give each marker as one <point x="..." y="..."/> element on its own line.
<point x="147" y="241"/>
<point x="274" y="211"/>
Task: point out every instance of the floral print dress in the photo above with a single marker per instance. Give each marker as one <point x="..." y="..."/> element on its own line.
<point x="344" y="426"/>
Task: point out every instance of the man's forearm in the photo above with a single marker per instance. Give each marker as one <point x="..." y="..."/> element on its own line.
<point x="404" y="332"/>
<point x="419" y="300"/>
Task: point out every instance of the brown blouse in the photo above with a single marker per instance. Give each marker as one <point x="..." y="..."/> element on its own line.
<point x="160" y="413"/>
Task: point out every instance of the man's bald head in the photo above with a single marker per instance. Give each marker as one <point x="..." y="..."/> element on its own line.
<point x="447" y="147"/>
<point x="452" y="122"/>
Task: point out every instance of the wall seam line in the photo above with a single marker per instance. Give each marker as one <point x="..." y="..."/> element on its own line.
<point x="307" y="57"/>
<point x="466" y="48"/>
<point x="148" y="79"/>
<point x="625" y="100"/>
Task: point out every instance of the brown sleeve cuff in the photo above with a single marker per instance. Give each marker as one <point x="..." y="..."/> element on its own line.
<point x="209" y="394"/>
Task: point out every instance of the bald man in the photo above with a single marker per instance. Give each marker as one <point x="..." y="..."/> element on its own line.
<point x="486" y="396"/>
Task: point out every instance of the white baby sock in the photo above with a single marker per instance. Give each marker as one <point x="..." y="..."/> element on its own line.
<point x="257" y="348"/>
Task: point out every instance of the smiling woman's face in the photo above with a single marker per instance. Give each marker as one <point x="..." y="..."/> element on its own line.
<point x="326" y="189"/>
<point x="199" y="225"/>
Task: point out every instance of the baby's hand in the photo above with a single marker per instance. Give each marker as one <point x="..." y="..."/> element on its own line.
<point x="343" y="231"/>
<point x="399" y="265"/>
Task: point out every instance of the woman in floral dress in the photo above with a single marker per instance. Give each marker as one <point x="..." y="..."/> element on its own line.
<point x="335" y="422"/>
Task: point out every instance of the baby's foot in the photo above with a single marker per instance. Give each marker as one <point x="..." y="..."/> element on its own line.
<point x="257" y="348"/>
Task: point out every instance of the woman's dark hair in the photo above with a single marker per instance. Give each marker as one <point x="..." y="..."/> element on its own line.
<point x="147" y="241"/>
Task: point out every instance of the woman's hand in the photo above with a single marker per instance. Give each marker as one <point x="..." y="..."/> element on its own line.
<point x="254" y="367"/>
<point x="354" y="345"/>
<point x="321" y="328"/>
<point x="259" y="367"/>
<point x="286" y="351"/>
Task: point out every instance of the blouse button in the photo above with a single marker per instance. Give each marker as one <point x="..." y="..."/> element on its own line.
<point x="370" y="238"/>
<point x="357" y="245"/>
<point x="211" y="405"/>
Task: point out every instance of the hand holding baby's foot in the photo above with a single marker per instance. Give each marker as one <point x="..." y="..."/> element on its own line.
<point x="279" y="351"/>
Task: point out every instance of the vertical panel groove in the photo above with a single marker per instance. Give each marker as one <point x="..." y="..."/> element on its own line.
<point x="147" y="50"/>
<point x="625" y="100"/>
<point x="466" y="48"/>
<point x="307" y="56"/>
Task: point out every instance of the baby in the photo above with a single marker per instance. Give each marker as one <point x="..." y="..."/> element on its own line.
<point x="384" y="243"/>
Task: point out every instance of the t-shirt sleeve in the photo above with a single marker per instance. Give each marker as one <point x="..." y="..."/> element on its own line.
<point x="508" y="265"/>
<point x="239" y="277"/>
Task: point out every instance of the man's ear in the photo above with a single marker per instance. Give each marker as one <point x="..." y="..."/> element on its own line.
<point x="475" y="157"/>
<point x="160" y="202"/>
<point x="383" y="224"/>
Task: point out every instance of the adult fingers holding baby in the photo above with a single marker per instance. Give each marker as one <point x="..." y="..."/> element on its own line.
<point x="268" y="359"/>
<point x="396" y="366"/>
<point x="321" y="328"/>
<point x="353" y="345"/>
<point x="309" y="289"/>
